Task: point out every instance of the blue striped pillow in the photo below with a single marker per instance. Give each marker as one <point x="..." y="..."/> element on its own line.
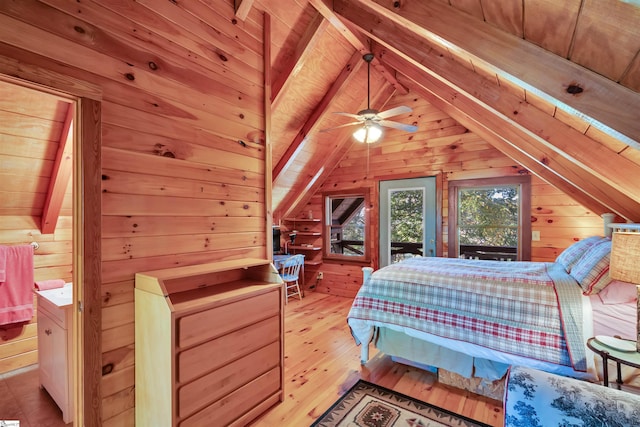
<point x="572" y="254"/>
<point x="591" y="271"/>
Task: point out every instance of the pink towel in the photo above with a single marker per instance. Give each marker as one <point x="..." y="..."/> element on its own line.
<point x="43" y="285"/>
<point x="16" y="297"/>
<point x="3" y="263"/>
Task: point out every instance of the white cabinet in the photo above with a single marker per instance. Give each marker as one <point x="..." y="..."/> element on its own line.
<point x="54" y="352"/>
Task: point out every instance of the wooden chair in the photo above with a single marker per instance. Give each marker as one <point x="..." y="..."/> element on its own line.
<point x="290" y="275"/>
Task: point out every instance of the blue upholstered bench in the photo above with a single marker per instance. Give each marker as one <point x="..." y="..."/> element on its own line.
<point x="535" y="398"/>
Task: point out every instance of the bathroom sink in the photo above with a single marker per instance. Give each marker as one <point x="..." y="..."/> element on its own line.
<point x="60" y="297"/>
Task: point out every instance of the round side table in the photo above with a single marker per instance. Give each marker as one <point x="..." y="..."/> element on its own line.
<point x="629" y="358"/>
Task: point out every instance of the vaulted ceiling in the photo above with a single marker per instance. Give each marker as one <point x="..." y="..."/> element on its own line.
<point x="553" y="85"/>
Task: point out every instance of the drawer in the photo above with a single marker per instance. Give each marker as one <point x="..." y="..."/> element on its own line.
<point x="203" y="326"/>
<point x="61" y="316"/>
<point x="217" y="384"/>
<point x="242" y="400"/>
<point x="213" y="354"/>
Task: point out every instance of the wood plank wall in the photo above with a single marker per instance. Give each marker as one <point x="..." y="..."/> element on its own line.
<point x="442" y="148"/>
<point x="183" y="141"/>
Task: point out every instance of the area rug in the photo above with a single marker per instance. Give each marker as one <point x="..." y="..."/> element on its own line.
<point x="369" y="405"/>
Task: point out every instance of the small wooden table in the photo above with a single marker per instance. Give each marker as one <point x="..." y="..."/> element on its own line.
<point x="629" y="358"/>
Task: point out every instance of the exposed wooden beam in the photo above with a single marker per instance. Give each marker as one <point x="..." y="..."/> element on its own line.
<point x="338" y="85"/>
<point x="538" y="134"/>
<point x="551" y="135"/>
<point x="357" y="42"/>
<point x="603" y="103"/>
<point x="516" y="142"/>
<point x="60" y="175"/>
<point x="295" y="201"/>
<point x="242" y="8"/>
<point x="303" y="50"/>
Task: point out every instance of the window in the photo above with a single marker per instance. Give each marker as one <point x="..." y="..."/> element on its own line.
<point x="490" y="218"/>
<point x="346" y="226"/>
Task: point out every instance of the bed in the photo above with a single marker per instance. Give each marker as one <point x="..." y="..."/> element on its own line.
<point x="476" y="318"/>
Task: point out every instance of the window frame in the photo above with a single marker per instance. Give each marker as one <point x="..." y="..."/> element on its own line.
<point x="524" y="217"/>
<point x="326" y="225"/>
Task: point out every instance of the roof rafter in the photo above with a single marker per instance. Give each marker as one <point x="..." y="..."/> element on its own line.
<point x="355" y="40"/>
<point x="60" y="175"/>
<point x="511" y="117"/>
<point x="344" y="140"/>
<point x="603" y="103"/>
<point x="303" y="50"/>
<point x="516" y="142"/>
<point x="320" y="110"/>
<point x="242" y="8"/>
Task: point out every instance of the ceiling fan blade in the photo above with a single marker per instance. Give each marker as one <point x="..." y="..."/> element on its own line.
<point x="340" y="126"/>
<point x="354" y="116"/>
<point x="394" y="111"/>
<point x="400" y="126"/>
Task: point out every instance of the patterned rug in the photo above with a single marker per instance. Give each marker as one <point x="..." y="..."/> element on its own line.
<point x="369" y="405"/>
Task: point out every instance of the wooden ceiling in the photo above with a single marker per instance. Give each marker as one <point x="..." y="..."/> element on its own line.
<point x="553" y="85"/>
<point x="36" y="153"/>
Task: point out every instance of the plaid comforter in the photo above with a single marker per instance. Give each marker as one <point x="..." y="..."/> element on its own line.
<point x="529" y="309"/>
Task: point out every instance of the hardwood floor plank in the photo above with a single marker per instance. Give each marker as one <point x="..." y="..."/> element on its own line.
<point x="322" y="362"/>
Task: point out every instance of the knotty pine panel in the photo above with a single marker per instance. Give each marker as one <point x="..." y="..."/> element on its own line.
<point x="123" y="160"/>
<point x="154" y="185"/>
<point x="21" y="146"/>
<point x="181" y="126"/>
<point x="117" y="405"/>
<point x="120" y="270"/>
<point x="127" y="204"/>
<point x="118" y="337"/>
<point x="114" y="316"/>
<point x="117" y="293"/>
<point x="143" y="247"/>
<point x="18" y="345"/>
<point x="208" y="146"/>
<point x="126" y="226"/>
<point x="180" y="86"/>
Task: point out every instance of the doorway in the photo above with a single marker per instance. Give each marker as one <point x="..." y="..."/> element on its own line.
<point x="407" y="219"/>
<point x="83" y="234"/>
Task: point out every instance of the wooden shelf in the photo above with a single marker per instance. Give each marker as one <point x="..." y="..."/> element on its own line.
<point x="302" y="219"/>
<point x="312" y="263"/>
<point x="308" y="233"/>
<point x="306" y="248"/>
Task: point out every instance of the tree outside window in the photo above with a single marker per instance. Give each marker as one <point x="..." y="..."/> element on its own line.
<point x="489" y="218"/>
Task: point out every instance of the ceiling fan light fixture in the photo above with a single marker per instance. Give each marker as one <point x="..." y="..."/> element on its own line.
<point x="369" y="133"/>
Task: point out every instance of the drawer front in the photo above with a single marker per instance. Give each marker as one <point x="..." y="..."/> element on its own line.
<point x="57" y="314"/>
<point x="219" y="383"/>
<point x="220" y="320"/>
<point x="213" y="354"/>
<point x="239" y="402"/>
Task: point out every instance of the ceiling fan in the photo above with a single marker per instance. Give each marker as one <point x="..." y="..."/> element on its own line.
<point x="370" y="120"/>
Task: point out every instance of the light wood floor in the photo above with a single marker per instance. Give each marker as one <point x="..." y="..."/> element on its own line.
<point x="322" y="362"/>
